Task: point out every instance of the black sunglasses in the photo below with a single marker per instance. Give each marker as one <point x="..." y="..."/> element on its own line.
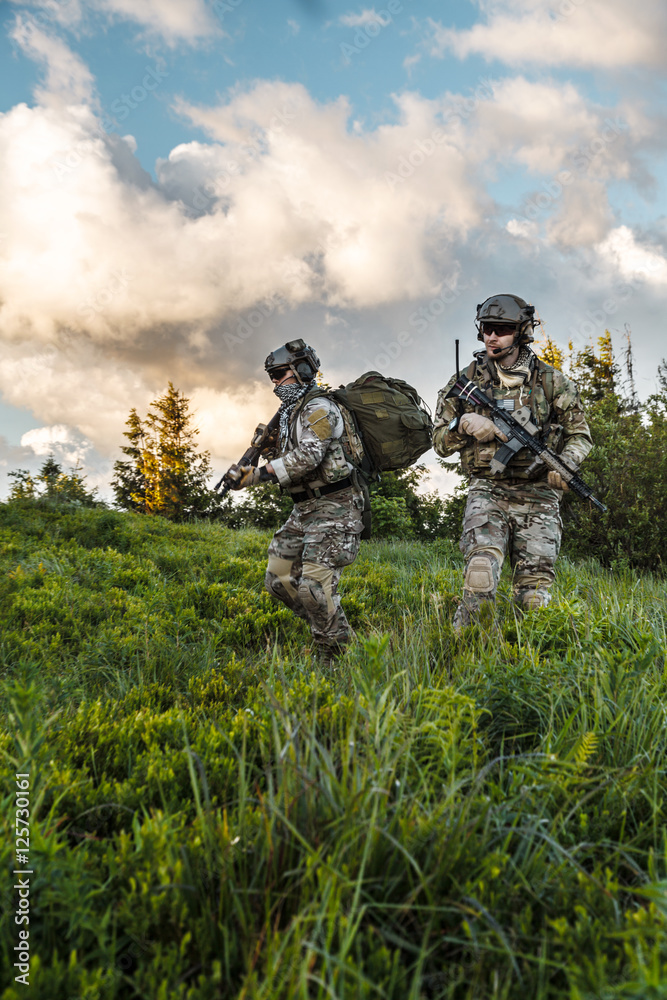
<point x="278" y="374"/>
<point x="500" y="329"/>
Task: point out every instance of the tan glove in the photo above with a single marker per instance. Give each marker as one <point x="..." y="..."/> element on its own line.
<point x="250" y="476"/>
<point x="480" y="427"/>
<point x="556" y="481"/>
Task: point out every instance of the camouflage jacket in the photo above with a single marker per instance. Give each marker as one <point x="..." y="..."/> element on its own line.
<point x="556" y="409"/>
<point x="315" y="452"/>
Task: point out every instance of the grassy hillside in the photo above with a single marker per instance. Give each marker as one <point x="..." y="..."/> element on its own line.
<point x="213" y="816"/>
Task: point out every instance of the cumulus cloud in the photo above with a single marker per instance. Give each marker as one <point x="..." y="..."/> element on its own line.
<point x="634" y="259"/>
<point x="605" y="34"/>
<point x="289" y="220"/>
<point x="65" y="443"/>
<point x="110" y="283"/>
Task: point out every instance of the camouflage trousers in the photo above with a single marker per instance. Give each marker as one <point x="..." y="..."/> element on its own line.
<point x="522" y="521"/>
<point x="306" y="558"/>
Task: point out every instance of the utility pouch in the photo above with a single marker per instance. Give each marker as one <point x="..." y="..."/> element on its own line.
<point x="554" y="438"/>
<point x="366" y="519"/>
<point x="362" y="485"/>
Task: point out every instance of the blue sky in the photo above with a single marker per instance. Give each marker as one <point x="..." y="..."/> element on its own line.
<point x="185" y="184"/>
<point x="285" y="40"/>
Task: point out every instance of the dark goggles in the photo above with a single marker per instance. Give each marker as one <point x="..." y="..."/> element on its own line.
<point x="500" y="329"/>
<point x="277" y="374"/>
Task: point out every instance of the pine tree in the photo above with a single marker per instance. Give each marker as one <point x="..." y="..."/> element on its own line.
<point x="164" y="473"/>
<point x="53" y="486"/>
<point x="129" y="483"/>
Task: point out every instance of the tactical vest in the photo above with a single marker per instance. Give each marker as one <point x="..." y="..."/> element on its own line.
<point x="333" y="467"/>
<point x="538" y="393"/>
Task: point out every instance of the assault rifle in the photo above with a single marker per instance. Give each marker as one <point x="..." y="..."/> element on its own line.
<point x="521" y="432"/>
<point x="251" y="456"/>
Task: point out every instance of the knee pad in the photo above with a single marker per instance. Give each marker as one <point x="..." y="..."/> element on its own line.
<point x="479" y="575"/>
<point x="314" y="574"/>
<point x="279" y="571"/>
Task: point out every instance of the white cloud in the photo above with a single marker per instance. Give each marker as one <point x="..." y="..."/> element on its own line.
<point x="289" y="221"/>
<point x="633" y="259"/>
<point x="584" y="216"/>
<point x="68" y="80"/>
<point x="369" y="15"/>
<point x="65" y="443"/>
<point x="173" y="20"/>
<point x="411" y="61"/>
<point x="605" y="34"/>
<point x="521" y="227"/>
<point x="110" y="284"/>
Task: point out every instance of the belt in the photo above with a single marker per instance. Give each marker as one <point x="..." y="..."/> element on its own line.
<point x="322" y="491"/>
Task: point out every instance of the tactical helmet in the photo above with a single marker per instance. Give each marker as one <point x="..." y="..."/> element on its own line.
<point x="297" y="356"/>
<point x="507" y="310"/>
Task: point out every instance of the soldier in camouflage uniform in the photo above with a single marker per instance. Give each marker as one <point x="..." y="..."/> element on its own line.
<point x="515" y="513"/>
<point x="308" y="458"/>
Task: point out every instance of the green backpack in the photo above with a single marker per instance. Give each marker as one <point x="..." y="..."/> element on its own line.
<point x="390" y="417"/>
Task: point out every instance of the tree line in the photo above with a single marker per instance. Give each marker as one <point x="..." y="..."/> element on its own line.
<point x="164" y="474"/>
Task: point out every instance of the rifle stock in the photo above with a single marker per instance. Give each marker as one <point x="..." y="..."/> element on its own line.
<point x="521" y="435"/>
<point x="251" y="456"/>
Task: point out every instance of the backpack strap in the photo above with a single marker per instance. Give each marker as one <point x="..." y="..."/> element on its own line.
<point x="548" y="383"/>
<point x="545" y="374"/>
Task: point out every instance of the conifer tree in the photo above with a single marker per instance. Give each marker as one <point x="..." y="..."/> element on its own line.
<point x="164" y="474"/>
<point x="129" y="481"/>
<point x="51" y="485"/>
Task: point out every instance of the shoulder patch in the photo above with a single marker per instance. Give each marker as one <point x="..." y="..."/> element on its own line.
<point x="320" y="423"/>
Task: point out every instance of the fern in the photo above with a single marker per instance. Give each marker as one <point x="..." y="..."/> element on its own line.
<point x="585" y="748"/>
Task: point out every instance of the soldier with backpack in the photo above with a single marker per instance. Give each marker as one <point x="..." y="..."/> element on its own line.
<point x="323" y="446"/>
<point x="512" y="509"/>
<point x="309" y="458"/>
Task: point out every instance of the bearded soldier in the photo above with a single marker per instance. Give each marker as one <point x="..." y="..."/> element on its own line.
<point x="308" y="458"/>
<point x="516" y="512"/>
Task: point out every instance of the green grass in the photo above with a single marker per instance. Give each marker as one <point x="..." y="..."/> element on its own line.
<point x="214" y="816"/>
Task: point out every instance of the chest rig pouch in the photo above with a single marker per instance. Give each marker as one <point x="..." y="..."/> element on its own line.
<point x="534" y="411"/>
<point x="506" y="452"/>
